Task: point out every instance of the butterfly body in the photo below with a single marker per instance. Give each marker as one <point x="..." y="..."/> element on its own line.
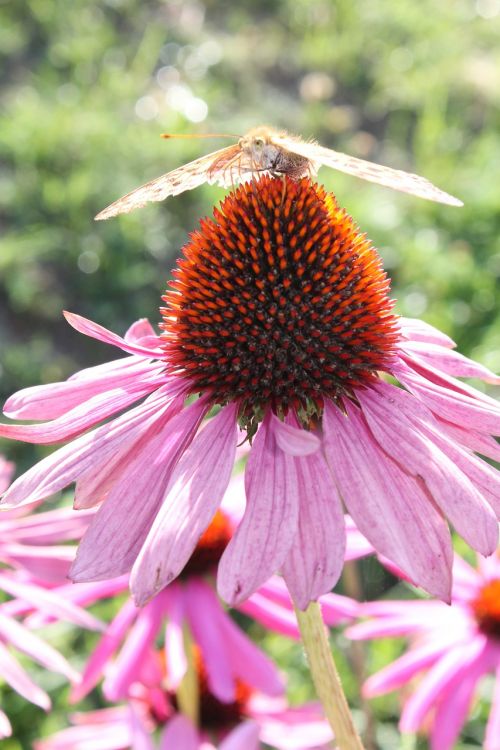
<point x="264" y="149"/>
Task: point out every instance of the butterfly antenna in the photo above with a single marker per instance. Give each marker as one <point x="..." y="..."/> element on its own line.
<point x="199" y="135"/>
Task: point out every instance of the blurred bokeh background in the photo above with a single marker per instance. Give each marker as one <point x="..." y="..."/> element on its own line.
<point x="86" y="89"/>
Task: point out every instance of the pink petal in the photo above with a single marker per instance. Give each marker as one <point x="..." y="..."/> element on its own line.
<point x="21" y="638"/>
<point x="483" y="444"/>
<point x="418" y="330"/>
<point x="449" y="361"/>
<point x="49" y="564"/>
<point x="402" y="670"/>
<point x="316" y="558"/>
<point x="59" y="525"/>
<point x="96" y="331"/>
<point x="62" y="467"/>
<point x="266" y="533"/>
<point x="55" y="399"/>
<point x="7" y="469"/>
<point x="296" y="728"/>
<point x="451" y="712"/>
<point x="270" y="614"/>
<point x="77" y="420"/>
<point x="106" y="647"/>
<point x="388" y="507"/>
<point x="49" y="602"/>
<point x="141" y="739"/>
<point x="195" y="492"/>
<point x="119" y="528"/>
<point x="244" y="737"/>
<point x="205" y="616"/>
<point x="127" y="667"/>
<point x="446" y="675"/>
<point x="19" y="681"/>
<point x="294" y="440"/>
<point x="249" y="663"/>
<point x="142" y="328"/>
<point x="179" y="734"/>
<point x="491" y="740"/>
<point x="452" y="400"/>
<point x="394" y="420"/>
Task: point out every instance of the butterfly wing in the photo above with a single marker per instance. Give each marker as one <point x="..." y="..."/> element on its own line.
<point x="366" y="170"/>
<point x="212" y="168"/>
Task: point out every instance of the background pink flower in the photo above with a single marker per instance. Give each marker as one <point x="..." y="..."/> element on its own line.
<point x="451" y="649"/>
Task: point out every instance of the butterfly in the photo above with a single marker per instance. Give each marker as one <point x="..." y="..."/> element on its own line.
<point x="264" y="149"/>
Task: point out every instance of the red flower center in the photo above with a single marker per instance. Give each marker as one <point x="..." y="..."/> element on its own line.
<point x="210" y="547"/>
<point x="486" y="608"/>
<point x="279" y="300"/>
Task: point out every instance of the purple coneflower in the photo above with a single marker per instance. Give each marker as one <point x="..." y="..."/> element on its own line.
<point x="246" y="723"/>
<point x="452" y="648"/>
<point x="128" y="647"/>
<point x="278" y="324"/>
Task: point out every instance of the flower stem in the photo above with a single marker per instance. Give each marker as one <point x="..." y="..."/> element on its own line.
<point x="188" y="692"/>
<point x="326" y="678"/>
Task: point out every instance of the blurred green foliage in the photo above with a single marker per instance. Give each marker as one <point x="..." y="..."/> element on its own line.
<point x="86" y="88"/>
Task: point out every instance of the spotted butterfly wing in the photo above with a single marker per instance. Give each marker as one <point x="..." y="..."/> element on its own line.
<point x="366" y="170"/>
<point x="223" y="167"/>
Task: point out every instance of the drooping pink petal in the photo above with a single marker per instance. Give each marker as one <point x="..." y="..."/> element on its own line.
<point x="296" y="728"/>
<point x="483" y="444"/>
<point x="294" y="440"/>
<point x="402" y="670"/>
<point x="24" y="640"/>
<point x="51" y="401"/>
<point x="104" y="734"/>
<point x="270" y="614"/>
<point x="62" y="467"/>
<point x="81" y="417"/>
<point x="96" y="331"/>
<point x="266" y="533"/>
<point x="418" y="330"/>
<point x="19" y="681"/>
<point x="50" y="602"/>
<point x="249" y="663"/>
<point x="209" y="636"/>
<point x="451" y="711"/>
<point x="7" y="469"/>
<point x="491" y="740"/>
<point x="452" y="401"/>
<point x="394" y="419"/>
<point x="388" y="506"/>
<point x="179" y="734"/>
<point x="140" y="329"/>
<point x="59" y="525"/>
<point x="49" y="564"/>
<point x="111" y="544"/>
<point x="316" y="557"/>
<point x="127" y="667"/>
<point x="243" y="737"/>
<point x="141" y="738"/>
<point x="448" y="361"/>
<point x="194" y="494"/>
<point x="107" y="646"/>
<point x="445" y="675"/>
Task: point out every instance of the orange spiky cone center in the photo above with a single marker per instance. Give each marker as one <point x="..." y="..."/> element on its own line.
<point x="278" y="301"/>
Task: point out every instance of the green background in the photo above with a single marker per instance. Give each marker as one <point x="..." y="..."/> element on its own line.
<point x="86" y="89"/>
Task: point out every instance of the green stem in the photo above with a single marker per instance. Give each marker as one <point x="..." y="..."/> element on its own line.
<point x="188" y="692"/>
<point x="326" y="678"/>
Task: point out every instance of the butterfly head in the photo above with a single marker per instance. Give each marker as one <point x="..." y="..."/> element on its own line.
<point x="259" y="147"/>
